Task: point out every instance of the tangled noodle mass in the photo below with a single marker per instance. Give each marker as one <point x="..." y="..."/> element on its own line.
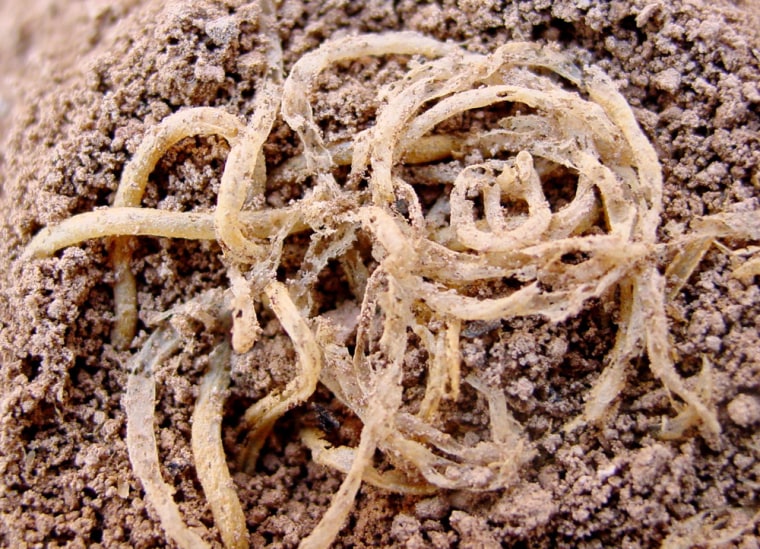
<point x="428" y="267"/>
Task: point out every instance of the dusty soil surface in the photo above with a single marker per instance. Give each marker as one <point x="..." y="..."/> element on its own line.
<point x="81" y="84"/>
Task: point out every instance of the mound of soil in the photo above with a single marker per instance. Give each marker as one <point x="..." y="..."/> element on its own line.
<point x="82" y="82"/>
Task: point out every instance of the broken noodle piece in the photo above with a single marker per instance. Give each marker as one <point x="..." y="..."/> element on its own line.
<point x="210" y="460"/>
<point x="424" y="261"/>
<point x="139" y="404"/>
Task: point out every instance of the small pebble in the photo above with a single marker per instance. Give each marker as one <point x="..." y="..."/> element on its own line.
<point x="744" y="410"/>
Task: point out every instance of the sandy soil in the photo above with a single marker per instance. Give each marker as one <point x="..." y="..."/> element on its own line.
<point x="81" y="83"/>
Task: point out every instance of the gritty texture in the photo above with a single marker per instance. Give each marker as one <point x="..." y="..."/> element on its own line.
<point x="692" y="75"/>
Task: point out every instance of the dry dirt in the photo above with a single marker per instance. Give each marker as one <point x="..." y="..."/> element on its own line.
<point x="81" y="82"/>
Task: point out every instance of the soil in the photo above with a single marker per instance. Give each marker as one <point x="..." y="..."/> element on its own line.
<point x="81" y="83"/>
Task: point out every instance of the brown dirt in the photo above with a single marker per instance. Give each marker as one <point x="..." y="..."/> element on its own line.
<point x="82" y="82"/>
